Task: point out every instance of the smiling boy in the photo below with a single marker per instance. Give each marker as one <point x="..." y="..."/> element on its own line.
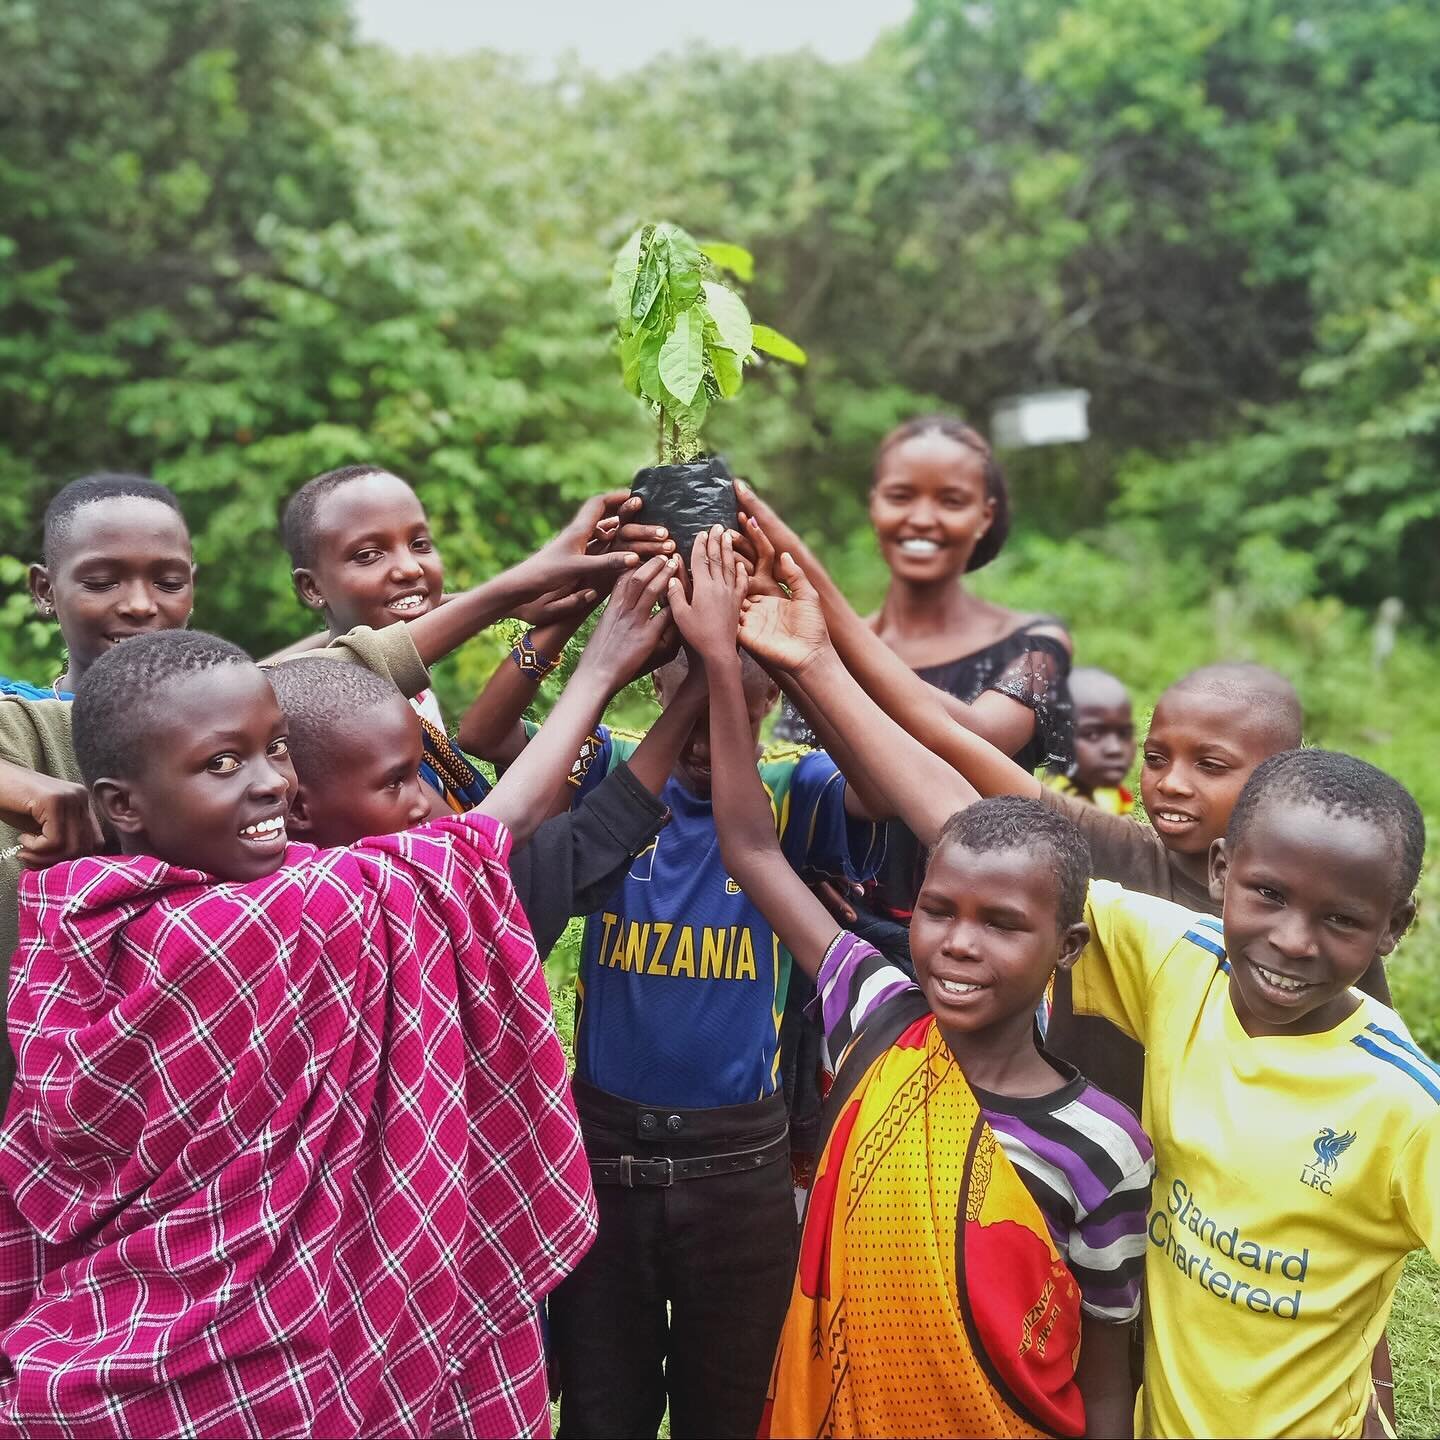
<point x="291" y="1148"/>
<point x="1297" y="1126"/>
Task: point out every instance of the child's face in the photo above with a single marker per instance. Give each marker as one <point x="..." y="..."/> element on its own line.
<point x="693" y="768"/>
<point x="1309" y="902"/>
<point x="1198" y="755"/>
<point x="370" y="783"/>
<point x="1104" y="741"/>
<point x="216" y="782"/>
<point x="375" y="562"/>
<point x="985" y="936"/>
<point x="123" y="568"/>
<point x="929" y="507"/>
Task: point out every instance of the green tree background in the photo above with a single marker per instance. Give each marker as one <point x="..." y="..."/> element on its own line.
<point x="238" y="247"/>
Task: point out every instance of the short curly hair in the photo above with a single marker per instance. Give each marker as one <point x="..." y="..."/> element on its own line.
<point x="297" y="521"/>
<point x="315" y="694"/>
<point x="997" y="488"/>
<point x="1340" y="785"/>
<point x="114" y="713"/>
<point x="1017" y="822"/>
<point x="92" y="490"/>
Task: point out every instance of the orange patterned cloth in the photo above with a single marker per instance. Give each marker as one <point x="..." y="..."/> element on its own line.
<point x="930" y="1299"/>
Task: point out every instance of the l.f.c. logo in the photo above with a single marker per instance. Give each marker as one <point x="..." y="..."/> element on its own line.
<point x="1328" y="1147"/>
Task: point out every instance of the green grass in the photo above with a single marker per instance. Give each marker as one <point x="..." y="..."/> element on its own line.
<point x="1415" y="1348"/>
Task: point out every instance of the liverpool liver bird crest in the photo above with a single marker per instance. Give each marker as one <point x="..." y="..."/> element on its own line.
<point x="1329" y="1147"/>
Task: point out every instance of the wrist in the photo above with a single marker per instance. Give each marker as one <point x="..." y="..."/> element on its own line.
<point x="820" y="661"/>
<point x="533" y="662"/>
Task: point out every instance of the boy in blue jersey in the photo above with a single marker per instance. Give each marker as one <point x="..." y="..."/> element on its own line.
<point x="681" y="993"/>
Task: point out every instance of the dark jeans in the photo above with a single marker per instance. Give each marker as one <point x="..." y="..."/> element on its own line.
<point x="719" y="1251"/>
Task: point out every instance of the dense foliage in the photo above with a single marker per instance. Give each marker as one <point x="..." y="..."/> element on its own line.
<point x="237" y="248"/>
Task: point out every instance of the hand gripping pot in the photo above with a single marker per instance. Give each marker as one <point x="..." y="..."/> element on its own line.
<point x="687" y="499"/>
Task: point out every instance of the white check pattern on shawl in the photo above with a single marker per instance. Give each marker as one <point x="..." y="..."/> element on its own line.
<point x="291" y="1157"/>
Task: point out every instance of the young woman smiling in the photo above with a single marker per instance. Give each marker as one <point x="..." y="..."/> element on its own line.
<point x="940" y="509"/>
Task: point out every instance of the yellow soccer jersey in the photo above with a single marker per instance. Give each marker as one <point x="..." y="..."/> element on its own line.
<point x="1293" y="1175"/>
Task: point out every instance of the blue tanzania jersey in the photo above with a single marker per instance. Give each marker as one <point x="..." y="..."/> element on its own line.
<point x="682" y="981"/>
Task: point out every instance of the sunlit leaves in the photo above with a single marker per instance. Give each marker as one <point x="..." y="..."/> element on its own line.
<point x="734" y="258"/>
<point x="772" y="342"/>
<point x="732" y="319"/>
<point x="684" y="338"/>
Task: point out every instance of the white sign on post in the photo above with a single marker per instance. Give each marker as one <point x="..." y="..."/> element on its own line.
<point x="1045" y="417"/>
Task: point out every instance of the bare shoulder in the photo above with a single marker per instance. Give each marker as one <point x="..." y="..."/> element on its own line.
<point x="1047" y="625"/>
<point x="1005" y="622"/>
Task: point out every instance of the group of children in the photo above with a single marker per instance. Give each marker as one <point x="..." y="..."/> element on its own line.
<point x="292" y="1149"/>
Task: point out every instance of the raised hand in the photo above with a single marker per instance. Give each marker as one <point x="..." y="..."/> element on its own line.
<point x="619" y="532"/>
<point x="785" y="631"/>
<point x="632" y="636"/>
<point x="780" y="535"/>
<point x="760" y="556"/>
<point x="709" y="617"/>
<point x="568" y="574"/>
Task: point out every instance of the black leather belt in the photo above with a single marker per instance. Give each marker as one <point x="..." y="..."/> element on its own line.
<point x="631" y="1171"/>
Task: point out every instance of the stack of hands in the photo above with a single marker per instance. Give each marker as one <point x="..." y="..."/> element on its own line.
<point x="745" y="589"/>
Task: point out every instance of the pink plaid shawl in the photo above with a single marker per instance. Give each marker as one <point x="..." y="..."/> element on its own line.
<point x="294" y="1157"/>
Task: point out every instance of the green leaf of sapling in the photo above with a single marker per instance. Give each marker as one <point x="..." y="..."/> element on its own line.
<point x="648" y="285"/>
<point x="729" y="371"/>
<point x="682" y="357"/>
<point x="680" y="256"/>
<point x="623" y="275"/>
<point x="734" y="258"/>
<point x="731" y="318"/>
<point x="630" y="348"/>
<point x="649" y="370"/>
<point x="772" y="342"/>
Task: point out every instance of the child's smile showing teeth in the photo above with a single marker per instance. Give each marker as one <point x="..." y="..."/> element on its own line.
<point x="409" y="604"/>
<point x="915" y="545"/>
<point x="956" y="989"/>
<point x="1286" y="984"/>
<point x="264" y="830"/>
<point x="1171" y="819"/>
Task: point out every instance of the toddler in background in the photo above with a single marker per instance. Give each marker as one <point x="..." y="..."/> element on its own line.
<point x="1104" y="742"/>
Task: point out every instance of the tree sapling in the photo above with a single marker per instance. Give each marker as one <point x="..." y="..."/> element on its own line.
<point x="685" y="338"/>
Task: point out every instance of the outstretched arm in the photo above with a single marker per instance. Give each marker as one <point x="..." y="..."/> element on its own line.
<point x="743" y="817"/>
<point x="1005" y="723"/>
<point x="788" y="634"/>
<point x="565" y="565"/>
<point x="492" y="726"/>
<point x="626" y="637"/>
<point x="919" y="708"/>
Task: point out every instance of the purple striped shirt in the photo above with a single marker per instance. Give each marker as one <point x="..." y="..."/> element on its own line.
<point x="1080" y="1152"/>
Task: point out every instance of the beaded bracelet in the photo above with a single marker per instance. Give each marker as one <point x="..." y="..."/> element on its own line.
<point x="531" y="661"/>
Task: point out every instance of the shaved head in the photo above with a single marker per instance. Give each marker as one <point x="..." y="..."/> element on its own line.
<point x="1089" y="686"/>
<point x="1264" y="695"/>
<point x="753" y="676"/>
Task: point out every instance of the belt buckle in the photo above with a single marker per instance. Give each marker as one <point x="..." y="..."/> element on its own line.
<point x="669" y="1179"/>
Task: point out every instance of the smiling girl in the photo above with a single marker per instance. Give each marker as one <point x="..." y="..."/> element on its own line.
<point x="940" y="509"/>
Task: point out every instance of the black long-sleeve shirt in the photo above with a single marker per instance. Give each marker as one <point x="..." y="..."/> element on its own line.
<point x="575" y="860"/>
